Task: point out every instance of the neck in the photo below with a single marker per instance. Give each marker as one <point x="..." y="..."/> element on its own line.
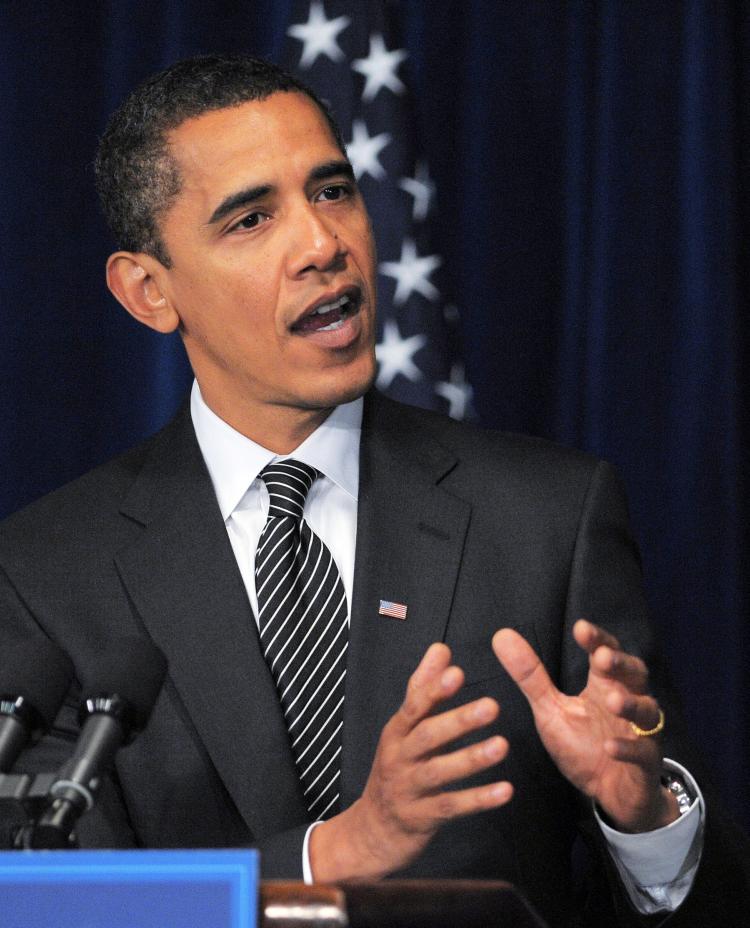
<point x="278" y="428"/>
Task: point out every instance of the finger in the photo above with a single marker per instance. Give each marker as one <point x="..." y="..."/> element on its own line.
<point x="590" y="636"/>
<point x="457" y="803"/>
<point x="435" y="732"/>
<point x="433" y="681"/>
<point x="618" y="665"/>
<point x="644" y="752"/>
<point x="642" y="711"/>
<point x="448" y="768"/>
<point x="435" y="660"/>
<point x="520" y="660"/>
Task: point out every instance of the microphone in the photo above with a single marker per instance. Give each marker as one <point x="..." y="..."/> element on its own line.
<point x="117" y="703"/>
<point x="34" y="679"/>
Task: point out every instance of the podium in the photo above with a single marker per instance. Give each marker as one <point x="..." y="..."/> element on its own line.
<point x="129" y="889"/>
<point x="220" y="889"/>
<point x="396" y="904"/>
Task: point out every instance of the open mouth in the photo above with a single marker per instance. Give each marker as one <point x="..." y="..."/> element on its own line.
<point x="327" y="317"/>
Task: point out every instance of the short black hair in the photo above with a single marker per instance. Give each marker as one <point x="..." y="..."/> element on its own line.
<point x="136" y="175"/>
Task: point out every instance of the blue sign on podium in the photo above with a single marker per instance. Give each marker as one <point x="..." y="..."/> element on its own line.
<point x="129" y="889"/>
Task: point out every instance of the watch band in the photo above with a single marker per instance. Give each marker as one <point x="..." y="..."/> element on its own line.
<point x="677" y="786"/>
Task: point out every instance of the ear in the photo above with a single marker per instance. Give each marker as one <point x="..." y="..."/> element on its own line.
<point x="134" y="279"/>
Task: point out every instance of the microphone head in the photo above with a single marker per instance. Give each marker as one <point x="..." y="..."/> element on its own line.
<point x="125" y="683"/>
<point x="37" y="674"/>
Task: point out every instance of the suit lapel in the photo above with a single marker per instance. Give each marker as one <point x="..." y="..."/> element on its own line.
<point x="183" y="580"/>
<point x="410" y="535"/>
<point x="184" y="583"/>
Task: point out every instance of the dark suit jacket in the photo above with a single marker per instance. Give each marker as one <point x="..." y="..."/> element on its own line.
<point x="472" y="530"/>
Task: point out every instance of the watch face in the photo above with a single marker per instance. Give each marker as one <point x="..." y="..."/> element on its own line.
<point x="675" y="785"/>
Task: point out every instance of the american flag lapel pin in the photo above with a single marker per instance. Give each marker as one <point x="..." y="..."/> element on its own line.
<point x="394" y="610"/>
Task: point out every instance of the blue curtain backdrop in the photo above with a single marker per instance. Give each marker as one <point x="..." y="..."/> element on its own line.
<point x="591" y="163"/>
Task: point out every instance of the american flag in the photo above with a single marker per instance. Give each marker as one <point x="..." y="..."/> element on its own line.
<point x="394" y="610"/>
<point x="350" y="54"/>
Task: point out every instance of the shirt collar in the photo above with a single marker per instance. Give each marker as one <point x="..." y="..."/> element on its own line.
<point x="234" y="461"/>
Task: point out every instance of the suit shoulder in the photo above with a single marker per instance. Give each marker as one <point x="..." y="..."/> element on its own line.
<point x="83" y="504"/>
<point x="528" y="457"/>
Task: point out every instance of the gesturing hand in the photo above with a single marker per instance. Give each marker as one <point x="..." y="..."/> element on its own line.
<point x="405" y="799"/>
<point x="589" y="736"/>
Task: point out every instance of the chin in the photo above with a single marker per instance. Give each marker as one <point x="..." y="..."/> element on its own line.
<point x="339" y="389"/>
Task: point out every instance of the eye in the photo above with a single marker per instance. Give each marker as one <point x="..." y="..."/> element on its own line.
<point x="334" y="192"/>
<point x="251" y="221"/>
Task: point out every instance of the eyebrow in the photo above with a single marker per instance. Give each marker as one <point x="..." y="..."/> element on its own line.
<point x="241" y="198"/>
<point x="250" y="194"/>
<point x="333" y="169"/>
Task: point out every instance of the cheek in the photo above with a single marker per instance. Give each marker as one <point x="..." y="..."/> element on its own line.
<point x="230" y="298"/>
<point x="253" y="282"/>
<point x="368" y="250"/>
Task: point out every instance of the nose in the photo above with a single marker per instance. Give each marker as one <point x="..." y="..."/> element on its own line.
<point x="314" y="242"/>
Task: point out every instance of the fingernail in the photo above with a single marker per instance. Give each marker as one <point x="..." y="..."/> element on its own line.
<point x="493" y="748"/>
<point x="500" y="790"/>
<point x="448" y="680"/>
<point x="482" y="711"/>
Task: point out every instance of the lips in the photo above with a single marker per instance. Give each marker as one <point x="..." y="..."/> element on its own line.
<point x="330" y="312"/>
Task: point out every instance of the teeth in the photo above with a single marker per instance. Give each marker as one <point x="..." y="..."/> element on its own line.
<point x="333" y="325"/>
<point x="328" y="307"/>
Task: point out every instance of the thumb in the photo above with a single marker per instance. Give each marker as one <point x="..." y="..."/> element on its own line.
<point x="523" y="665"/>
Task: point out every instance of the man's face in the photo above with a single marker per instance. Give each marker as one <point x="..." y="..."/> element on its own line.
<point x="273" y="263"/>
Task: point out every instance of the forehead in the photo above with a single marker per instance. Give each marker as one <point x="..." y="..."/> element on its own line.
<point x="260" y="140"/>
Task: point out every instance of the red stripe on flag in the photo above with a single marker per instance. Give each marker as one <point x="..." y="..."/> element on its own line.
<point x="394" y="610"/>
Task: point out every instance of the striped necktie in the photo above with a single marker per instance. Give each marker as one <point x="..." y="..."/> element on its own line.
<point x="303" y="632"/>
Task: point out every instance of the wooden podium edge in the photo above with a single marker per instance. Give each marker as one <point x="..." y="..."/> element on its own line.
<point x="396" y="904"/>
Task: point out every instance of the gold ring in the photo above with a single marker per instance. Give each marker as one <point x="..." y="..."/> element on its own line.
<point x="649" y="732"/>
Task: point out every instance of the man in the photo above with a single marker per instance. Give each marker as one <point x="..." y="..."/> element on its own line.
<point x="241" y="226"/>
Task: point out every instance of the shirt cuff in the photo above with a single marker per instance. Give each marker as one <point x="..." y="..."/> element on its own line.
<point x="658" y="867"/>
<point x="307" y="874"/>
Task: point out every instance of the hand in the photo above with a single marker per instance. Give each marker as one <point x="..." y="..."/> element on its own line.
<point x="405" y="801"/>
<point x="589" y="736"/>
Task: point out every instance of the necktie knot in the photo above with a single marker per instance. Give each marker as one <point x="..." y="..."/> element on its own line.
<point x="288" y="483"/>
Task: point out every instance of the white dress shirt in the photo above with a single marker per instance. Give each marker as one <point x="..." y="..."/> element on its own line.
<point x="657" y="867"/>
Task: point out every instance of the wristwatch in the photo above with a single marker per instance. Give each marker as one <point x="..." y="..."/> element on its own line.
<point x="677" y="786"/>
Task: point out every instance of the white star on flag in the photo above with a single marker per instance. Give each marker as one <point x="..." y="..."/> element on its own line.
<point x="394" y="355"/>
<point x="355" y="57"/>
<point x="363" y="151"/>
<point x="421" y="188"/>
<point x="411" y="273"/>
<point x="379" y="68"/>
<point x="458" y="392"/>
<point x="319" y="35"/>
